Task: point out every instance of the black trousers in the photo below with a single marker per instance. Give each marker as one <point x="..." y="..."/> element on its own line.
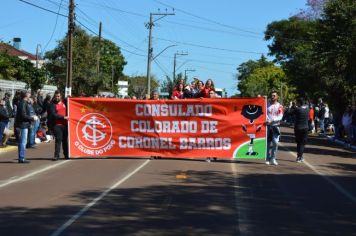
<point x="301" y="138"/>
<point x="61" y="138"/>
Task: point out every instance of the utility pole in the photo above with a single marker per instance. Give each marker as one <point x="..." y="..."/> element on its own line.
<point x="189" y="70"/>
<point x="150" y="49"/>
<point x="68" y="90"/>
<point x="112" y="77"/>
<point x="99" y="51"/>
<point x="37" y="47"/>
<point x="175" y="62"/>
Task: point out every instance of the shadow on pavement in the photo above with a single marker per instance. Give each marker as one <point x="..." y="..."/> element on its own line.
<point x="203" y="204"/>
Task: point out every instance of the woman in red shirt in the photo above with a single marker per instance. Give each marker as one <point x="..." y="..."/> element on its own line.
<point x="209" y="86"/>
<point x="311" y="119"/>
<point x="178" y="92"/>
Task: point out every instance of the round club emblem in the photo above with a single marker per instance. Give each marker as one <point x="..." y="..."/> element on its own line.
<point x="94" y="131"/>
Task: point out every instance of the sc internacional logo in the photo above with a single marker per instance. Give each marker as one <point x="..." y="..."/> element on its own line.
<point x="94" y="134"/>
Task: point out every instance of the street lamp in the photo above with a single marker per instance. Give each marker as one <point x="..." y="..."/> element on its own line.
<point x="175" y="63"/>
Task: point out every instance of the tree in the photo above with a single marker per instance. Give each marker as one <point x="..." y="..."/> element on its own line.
<point x="313" y="11"/>
<point x="85" y="76"/>
<point x="246" y="68"/>
<point x="318" y="53"/>
<point x="336" y="49"/>
<point x="138" y="85"/>
<point x="263" y="80"/>
<point x="168" y="85"/>
<point x="14" y="68"/>
<point x="292" y="45"/>
<point x="112" y="63"/>
<point x="7" y="67"/>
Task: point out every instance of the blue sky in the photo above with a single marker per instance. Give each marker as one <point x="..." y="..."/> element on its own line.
<point x="217" y="35"/>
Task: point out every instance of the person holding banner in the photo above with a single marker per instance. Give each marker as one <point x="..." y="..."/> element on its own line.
<point x="154" y="95"/>
<point x="58" y="116"/>
<point x="274" y="116"/>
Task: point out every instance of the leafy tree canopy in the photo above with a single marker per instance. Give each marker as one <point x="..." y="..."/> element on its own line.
<point x="85" y="55"/>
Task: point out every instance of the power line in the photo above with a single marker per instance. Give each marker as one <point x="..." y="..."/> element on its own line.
<point x="108" y="32"/>
<point x="211" y="30"/>
<point x="161" y="67"/>
<point x="54" y="28"/>
<point x="115" y="9"/>
<point x="227" y="26"/>
<point x="209" y="47"/>
<point x="206" y="19"/>
<point x="45" y="9"/>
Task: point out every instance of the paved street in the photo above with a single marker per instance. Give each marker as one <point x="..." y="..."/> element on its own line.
<point x="137" y="196"/>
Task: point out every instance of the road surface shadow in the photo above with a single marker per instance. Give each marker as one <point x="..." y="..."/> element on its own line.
<point x="206" y="203"/>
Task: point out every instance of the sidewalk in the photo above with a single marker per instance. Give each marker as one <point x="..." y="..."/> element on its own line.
<point x="8" y="149"/>
<point x="339" y="141"/>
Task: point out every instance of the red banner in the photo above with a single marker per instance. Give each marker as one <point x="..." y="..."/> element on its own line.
<point x="192" y="128"/>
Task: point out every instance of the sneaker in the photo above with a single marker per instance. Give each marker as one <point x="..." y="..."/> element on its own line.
<point x="24" y="161"/>
<point x="268" y="163"/>
<point x="208" y="159"/>
<point x="275" y="162"/>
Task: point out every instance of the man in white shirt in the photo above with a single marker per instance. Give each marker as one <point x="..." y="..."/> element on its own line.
<point x="274" y="116"/>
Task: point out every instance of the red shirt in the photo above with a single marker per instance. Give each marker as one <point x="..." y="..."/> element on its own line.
<point x="178" y="94"/>
<point x="311" y="114"/>
<point x="61" y="110"/>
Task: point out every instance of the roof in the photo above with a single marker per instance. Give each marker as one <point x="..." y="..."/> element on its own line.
<point x="10" y="50"/>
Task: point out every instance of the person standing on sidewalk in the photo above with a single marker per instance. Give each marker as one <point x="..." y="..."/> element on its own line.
<point x="22" y="124"/>
<point x="58" y="119"/>
<point x="321" y="115"/>
<point x="301" y="117"/>
<point x="4" y="120"/>
<point x="274" y="116"/>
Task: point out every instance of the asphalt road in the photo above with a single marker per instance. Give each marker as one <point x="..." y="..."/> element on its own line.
<point x="128" y="196"/>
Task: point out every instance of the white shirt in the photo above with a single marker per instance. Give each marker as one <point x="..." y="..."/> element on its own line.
<point x="274" y="113"/>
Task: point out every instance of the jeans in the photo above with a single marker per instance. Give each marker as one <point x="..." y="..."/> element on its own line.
<point x="3" y="125"/>
<point x="322" y="125"/>
<point x="22" y="135"/>
<point x="272" y="143"/>
<point x="33" y="132"/>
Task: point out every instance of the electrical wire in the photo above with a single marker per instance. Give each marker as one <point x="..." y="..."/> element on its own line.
<point x="45" y="9"/>
<point x="208" y="47"/>
<point x="54" y="28"/>
<point x="228" y="26"/>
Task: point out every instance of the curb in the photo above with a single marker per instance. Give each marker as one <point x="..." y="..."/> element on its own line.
<point x="7" y="149"/>
<point x="340" y="142"/>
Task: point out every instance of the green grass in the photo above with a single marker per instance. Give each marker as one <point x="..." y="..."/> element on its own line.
<point x="259" y="146"/>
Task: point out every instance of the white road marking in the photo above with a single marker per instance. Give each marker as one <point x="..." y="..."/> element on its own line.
<point x="93" y="202"/>
<point x="332" y="182"/>
<point x="13" y="180"/>
<point x="243" y="228"/>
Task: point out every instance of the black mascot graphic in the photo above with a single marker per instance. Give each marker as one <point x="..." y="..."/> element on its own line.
<point x="251" y="112"/>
